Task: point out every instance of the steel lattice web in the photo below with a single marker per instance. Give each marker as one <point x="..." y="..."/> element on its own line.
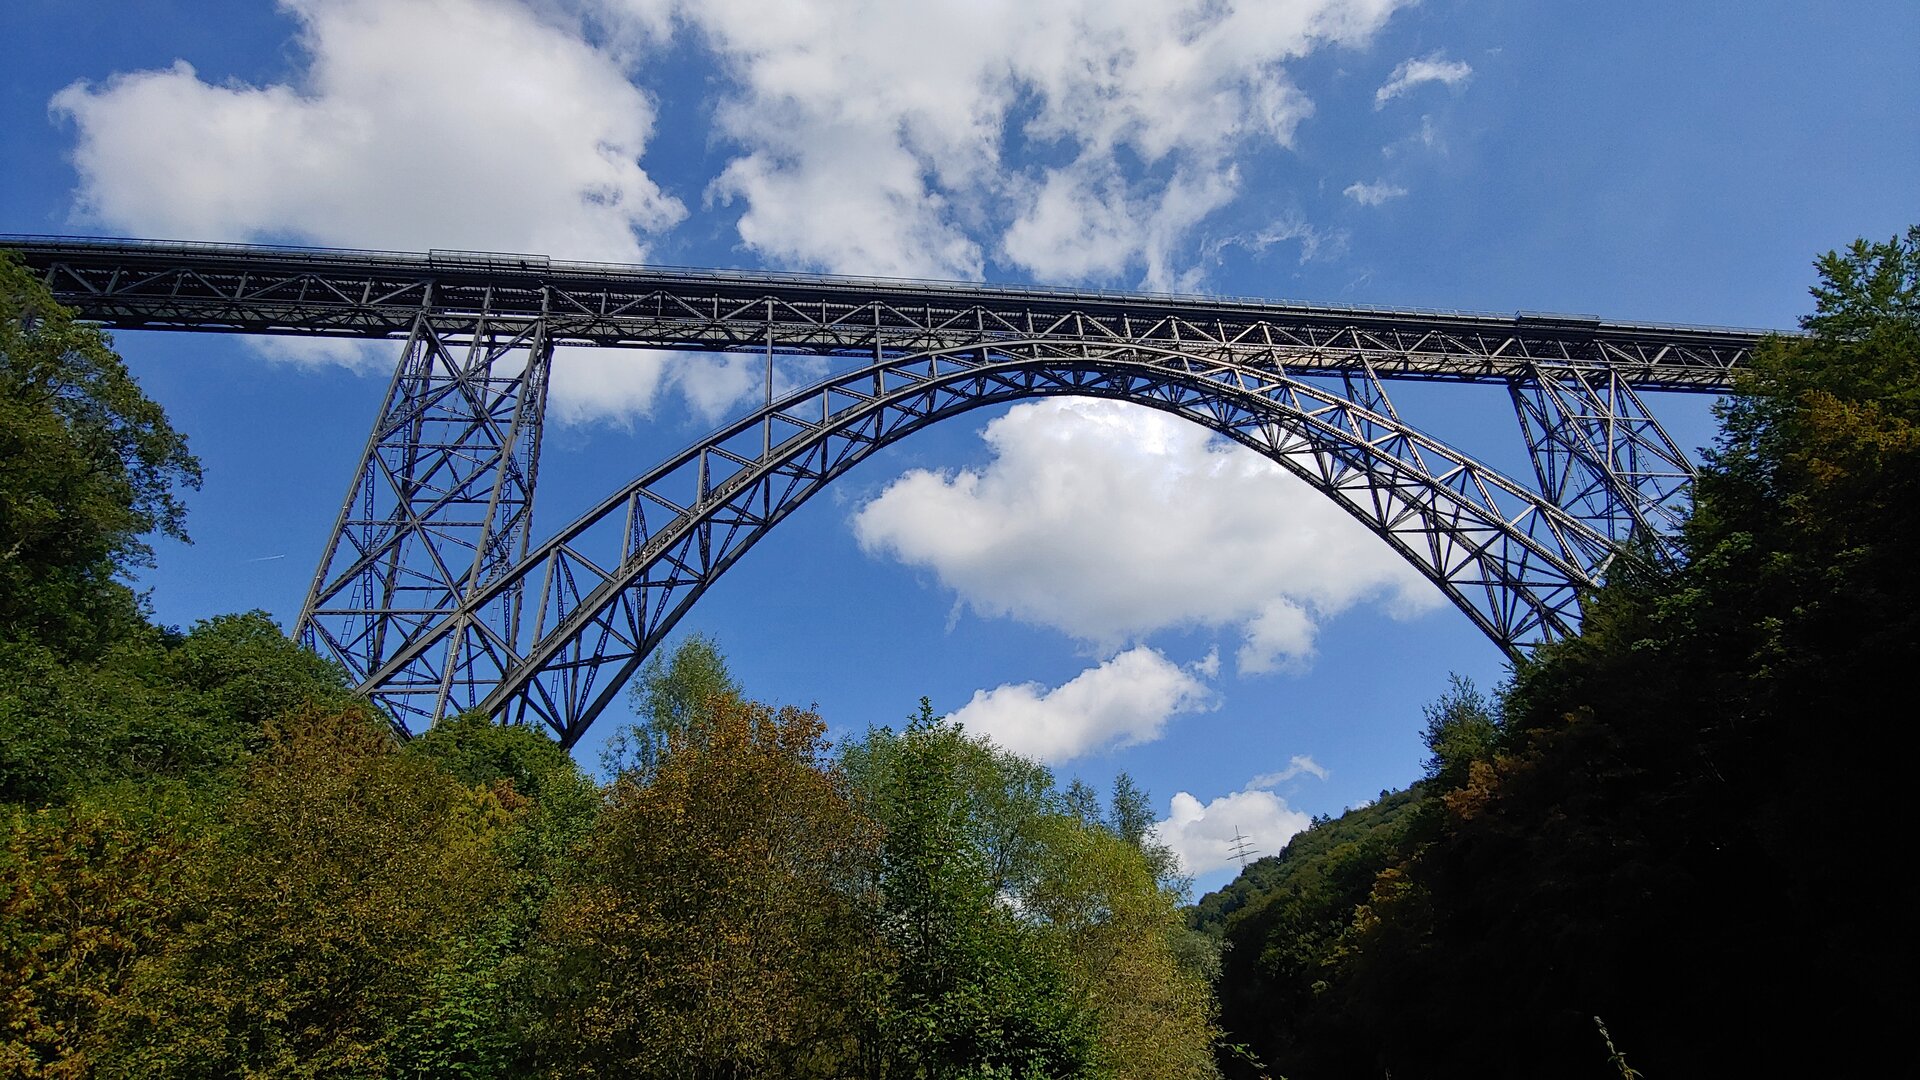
<point x="434" y="595"/>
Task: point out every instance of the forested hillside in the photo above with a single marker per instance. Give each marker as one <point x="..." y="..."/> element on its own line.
<point x="216" y="861"/>
<point x="1666" y="844"/>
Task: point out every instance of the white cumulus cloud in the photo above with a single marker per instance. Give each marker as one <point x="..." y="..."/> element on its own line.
<point x="1073" y="139"/>
<point x="1203" y="835"/>
<point x="1110" y="521"/>
<point x="1373" y="194"/>
<point x="1425" y="69"/>
<point x="1125" y="701"/>
<point x="432" y="123"/>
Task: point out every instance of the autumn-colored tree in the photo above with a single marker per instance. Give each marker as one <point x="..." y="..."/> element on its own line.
<point x="1099" y="901"/>
<point x="717" y="924"/>
<point x="86" y="892"/>
<point x="345" y="880"/>
<point x="479" y="1019"/>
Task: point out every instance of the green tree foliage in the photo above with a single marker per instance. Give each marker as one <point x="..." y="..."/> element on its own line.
<point x="1286" y="924"/>
<point x="479" y="1019"/>
<point x="516" y="760"/>
<point x="1082" y="801"/>
<point x="1130" y="817"/>
<point x="553" y="803"/>
<point x="343" y="883"/>
<point x="1462" y="728"/>
<point x="1128" y="957"/>
<point x="1030" y="933"/>
<point x="88" y="466"/>
<point x="156" y="707"/>
<point x="671" y="694"/>
<point x="970" y="992"/>
<point x="1677" y="822"/>
<point x="717" y="925"/>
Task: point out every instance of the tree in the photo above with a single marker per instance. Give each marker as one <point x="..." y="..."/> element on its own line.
<point x="1126" y="953"/>
<point x="1030" y="934"/>
<point x="1461" y="728"/>
<point x="88" y="467"/>
<point x="346" y="879"/>
<point x="1082" y="801"/>
<point x="673" y="692"/>
<point x="478" y="1017"/>
<point x="478" y="752"/>
<point x="156" y="708"/>
<point x="972" y="988"/>
<point x="675" y="688"/>
<point x="1286" y="924"/>
<point x="1131" y="819"/>
<point x="718" y="924"/>
<point x="88" y="892"/>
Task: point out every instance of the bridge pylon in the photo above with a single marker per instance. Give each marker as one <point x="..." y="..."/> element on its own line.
<point x="441" y="504"/>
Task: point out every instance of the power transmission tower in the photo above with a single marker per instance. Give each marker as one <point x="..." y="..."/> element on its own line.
<point x="1242" y="849"/>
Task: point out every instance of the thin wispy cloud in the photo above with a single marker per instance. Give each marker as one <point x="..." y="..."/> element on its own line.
<point x="1373" y="194"/>
<point x="1314" y="242"/>
<point x="1427" y="69"/>
<point x="1297" y="765"/>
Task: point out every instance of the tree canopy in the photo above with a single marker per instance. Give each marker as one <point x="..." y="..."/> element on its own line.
<point x="88" y="467"/>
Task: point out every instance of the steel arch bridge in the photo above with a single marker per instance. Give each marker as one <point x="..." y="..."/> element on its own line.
<point x="436" y="595"/>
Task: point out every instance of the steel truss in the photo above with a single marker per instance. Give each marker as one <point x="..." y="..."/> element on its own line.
<point x="443" y="500"/>
<point x="1600" y="453"/>
<point x="431" y="596"/>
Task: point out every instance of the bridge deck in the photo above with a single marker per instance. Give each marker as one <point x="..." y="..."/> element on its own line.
<point x="250" y="289"/>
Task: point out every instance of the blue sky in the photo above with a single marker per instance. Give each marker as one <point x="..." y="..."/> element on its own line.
<point x="1640" y="161"/>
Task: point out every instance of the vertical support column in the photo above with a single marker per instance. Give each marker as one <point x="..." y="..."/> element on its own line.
<point x="442" y="504"/>
<point x="1600" y="455"/>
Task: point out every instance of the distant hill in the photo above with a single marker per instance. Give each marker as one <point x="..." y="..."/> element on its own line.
<point x="1332" y="849"/>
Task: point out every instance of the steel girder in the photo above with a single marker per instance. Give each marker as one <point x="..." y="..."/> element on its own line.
<point x="141" y="285"/>
<point x="603" y="591"/>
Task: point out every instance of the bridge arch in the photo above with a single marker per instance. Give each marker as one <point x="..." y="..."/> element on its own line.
<point x="553" y="637"/>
